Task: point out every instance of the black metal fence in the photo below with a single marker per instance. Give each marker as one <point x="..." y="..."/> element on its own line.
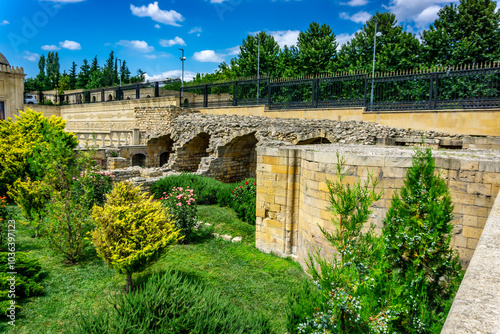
<point x="463" y="88"/>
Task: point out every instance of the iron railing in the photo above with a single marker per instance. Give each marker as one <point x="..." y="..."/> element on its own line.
<point x="446" y="88"/>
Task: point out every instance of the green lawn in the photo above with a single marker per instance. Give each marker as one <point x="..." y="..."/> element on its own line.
<point x="253" y="280"/>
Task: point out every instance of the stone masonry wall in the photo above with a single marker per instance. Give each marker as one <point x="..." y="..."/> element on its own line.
<point x="292" y="194"/>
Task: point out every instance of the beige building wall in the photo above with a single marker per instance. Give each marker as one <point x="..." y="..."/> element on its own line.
<point x="11" y="89"/>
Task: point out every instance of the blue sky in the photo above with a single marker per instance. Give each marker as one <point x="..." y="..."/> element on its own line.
<point x="148" y="34"/>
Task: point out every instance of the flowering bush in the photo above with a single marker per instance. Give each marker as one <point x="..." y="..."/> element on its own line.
<point x="92" y="186"/>
<point x="244" y="199"/>
<point x="182" y="206"/>
<point x="3" y="219"/>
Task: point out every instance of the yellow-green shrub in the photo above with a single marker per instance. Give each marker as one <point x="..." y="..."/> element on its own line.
<point x="29" y="136"/>
<point x="131" y="231"/>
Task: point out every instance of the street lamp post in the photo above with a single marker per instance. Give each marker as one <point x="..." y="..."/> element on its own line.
<point x="120" y="71"/>
<point x="373" y="67"/>
<point x="182" y="78"/>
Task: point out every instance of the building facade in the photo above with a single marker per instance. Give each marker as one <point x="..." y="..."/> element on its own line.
<point x="11" y="88"/>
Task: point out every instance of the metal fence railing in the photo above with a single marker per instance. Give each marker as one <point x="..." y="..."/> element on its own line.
<point x="438" y="89"/>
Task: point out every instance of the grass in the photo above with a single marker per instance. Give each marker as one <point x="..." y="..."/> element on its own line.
<point x="253" y="280"/>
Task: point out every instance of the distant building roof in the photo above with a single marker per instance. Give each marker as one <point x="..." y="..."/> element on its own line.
<point x="3" y="60"/>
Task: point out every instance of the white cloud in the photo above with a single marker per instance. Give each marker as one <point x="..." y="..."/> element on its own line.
<point x="51" y="47"/>
<point x="195" y="30"/>
<point x="150" y="56"/>
<point x="208" y="56"/>
<point x="170" y="17"/>
<point x="217" y="1"/>
<point x="171" y="42"/>
<point x="157" y="26"/>
<point x="355" y="3"/>
<point x="344" y="38"/>
<point x="141" y="46"/>
<point x="70" y="45"/>
<point x="188" y="75"/>
<point x="31" y="56"/>
<point x="285" y="37"/>
<point x="233" y="51"/>
<point x="359" y="17"/>
<point x="422" y="12"/>
<point x="4" y="22"/>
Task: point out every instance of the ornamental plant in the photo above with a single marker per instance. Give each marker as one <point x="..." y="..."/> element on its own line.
<point x="92" y="186"/>
<point x="67" y="226"/>
<point x="4" y="218"/>
<point x="348" y="282"/>
<point x="244" y="200"/>
<point x="132" y="231"/>
<point x="417" y="233"/>
<point x="181" y="205"/>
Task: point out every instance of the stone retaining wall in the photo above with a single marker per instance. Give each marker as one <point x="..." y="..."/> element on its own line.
<point x="292" y="194"/>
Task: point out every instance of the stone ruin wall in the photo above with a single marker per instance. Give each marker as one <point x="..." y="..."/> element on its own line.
<point x="292" y="193"/>
<point x="223" y="146"/>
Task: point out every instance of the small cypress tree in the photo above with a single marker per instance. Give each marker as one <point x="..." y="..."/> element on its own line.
<point x="417" y="246"/>
<point x="132" y="231"/>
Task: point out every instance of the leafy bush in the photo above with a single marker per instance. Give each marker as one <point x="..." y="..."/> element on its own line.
<point x="4" y="218"/>
<point x="32" y="134"/>
<point x="132" y="231"/>
<point x="244" y="200"/>
<point x="67" y="225"/>
<point x="170" y="304"/>
<point x="92" y="186"/>
<point x="31" y="197"/>
<point x="303" y="301"/>
<point x="205" y="188"/>
<point x="28" y="279"/>
<point x="181" y="204"/>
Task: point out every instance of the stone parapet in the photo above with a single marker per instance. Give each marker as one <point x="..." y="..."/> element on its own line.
<point x="476" y="307"/>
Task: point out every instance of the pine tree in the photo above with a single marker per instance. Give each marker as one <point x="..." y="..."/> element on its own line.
<point x="417" y="244"/>
<point x="84" y="75"/>
<point x="317" y="49"/>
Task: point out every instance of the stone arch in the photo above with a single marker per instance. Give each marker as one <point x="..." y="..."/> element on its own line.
<point x="237" y="160"/>
<point x="186" y="103"/>
<point x="110" y="97"/>
<point x="139" y="159"/>
<point x="148" y="96"/>
<point x="188" y="157"/>
<point x="93" y="98"/>
<point x="160" y="149"/>
<point x="314" y="140"/>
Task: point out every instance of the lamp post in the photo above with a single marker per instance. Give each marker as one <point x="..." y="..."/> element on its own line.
<point x="373" y="67"/>
<point x="182" y="58"/>
<point x="120" y="71"/>
<point x="258" y="69"/>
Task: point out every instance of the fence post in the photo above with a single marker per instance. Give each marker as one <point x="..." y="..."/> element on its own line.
<point x="205" y="96"/>
<point x="102" y="95"/>
<point x="137" y="92"/>
<point x="436" y="83"/>
<point x="366" y="86"/>
<point x="431" y="90"/>
<point x="314" y="97"/>
<point x="235" y="93"/>
<point x="269" y="90"/>
<point x="157" y="89"/>
<point x="119" y="93"/>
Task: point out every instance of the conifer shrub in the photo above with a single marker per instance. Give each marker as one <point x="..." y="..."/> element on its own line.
<point x="28" y="280"/>
<point x="417" y="233"/>
<point x="132" y="231"/>
<point x="168" y="303"/>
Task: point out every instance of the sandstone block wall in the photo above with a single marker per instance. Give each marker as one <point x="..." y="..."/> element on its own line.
<point x="292" y="193"/>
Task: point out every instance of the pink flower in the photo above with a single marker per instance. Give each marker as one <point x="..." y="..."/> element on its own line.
<point x="180" y="189"/>
<point x="179" y="204"/>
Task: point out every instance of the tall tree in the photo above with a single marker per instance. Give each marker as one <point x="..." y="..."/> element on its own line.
<point x="72" y="76"/>
<point x="396" y="49"/>
<point x="108" y="70"/>
<point x="53" y="69"/>
<point x="124" y="72"/>
<point x="42" y="80"/>
<point x="96" y="75"/>
<point x="246" y="63"/>
<point x="288" y="62"/>
<point x="84" y="75"/>
<point x="317" y="49"/>
<point x="464" y="34"/>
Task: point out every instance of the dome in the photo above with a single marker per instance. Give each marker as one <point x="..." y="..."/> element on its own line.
<point x="3" y="60"/>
